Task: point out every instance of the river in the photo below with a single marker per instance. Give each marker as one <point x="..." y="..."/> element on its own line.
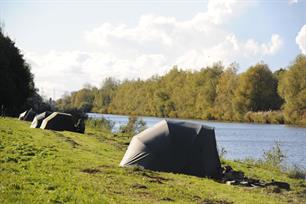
<point x="243" y="140"/>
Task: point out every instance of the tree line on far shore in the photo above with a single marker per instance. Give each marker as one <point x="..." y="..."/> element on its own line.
<point x="214" y="93"/>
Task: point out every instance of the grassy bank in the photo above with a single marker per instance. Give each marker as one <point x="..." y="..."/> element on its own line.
<point x="41" y="166"/>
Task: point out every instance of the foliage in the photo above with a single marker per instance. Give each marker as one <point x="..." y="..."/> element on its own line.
<point x="134" y="126"/>
<point x="222" y="152"/>
<point x="41" y="166"/>
<point x="101" y="123"/>
<point x="292" y="88"/>
<point x="275" y="156"/>
<point x="275" y="117"/>
<point x="212" y="93"/>
<point x="274" y="159"/>
<point x="256" y="91"/>
<point x="38" y="104"/>
<point x="16" y="79"/>
<point x="296" y="172"/>
<point x="206" y="90"/>
<point x="227" y="84"/>
<point x="104" y="95"/>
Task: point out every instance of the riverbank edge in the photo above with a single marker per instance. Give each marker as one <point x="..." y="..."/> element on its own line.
<point x="250" y="117"/>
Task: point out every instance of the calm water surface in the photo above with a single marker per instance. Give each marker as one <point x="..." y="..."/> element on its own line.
<point x="243" y="140"/>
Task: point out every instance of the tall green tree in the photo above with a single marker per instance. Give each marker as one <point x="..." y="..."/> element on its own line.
<point x="64" y="102"/>
<point x="227" y="84"/>
<point x="256" y="91"/>
<point x="206" y="88"/>
<point x="83" y="99"/>
<point x="16" y="79"/>
<point x="103" y="96"/>
<point x="292" y="88"/>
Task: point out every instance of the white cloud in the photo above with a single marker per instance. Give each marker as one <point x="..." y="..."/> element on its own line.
<point x="229" y="50"/>
<point x="219" y="10"/>
<point x="67" y="71"/>
<point x="152" y="46"/>
<point x="301" y="39"/>
<point x="273" y="46"/>
<point x="293" y="1"/>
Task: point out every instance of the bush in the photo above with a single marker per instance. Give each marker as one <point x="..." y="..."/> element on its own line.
<point x="274" y="159"/>
<point x="102" y="123"/>
<point x="275" y="156"/>
<point x="296" y="172"/>
<point x="134" y="126"/>
<point x="275" y="117"/>
<point x="222" y="152"/>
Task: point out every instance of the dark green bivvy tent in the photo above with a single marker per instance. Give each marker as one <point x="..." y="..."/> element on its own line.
<point x="58" y="121"/>
<point x="27" y="115"/>
<point x="179" y="147"/>
<point x="39" y="118"/>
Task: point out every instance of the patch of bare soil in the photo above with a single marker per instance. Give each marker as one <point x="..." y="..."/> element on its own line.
<point x="139" y="186"/>
<point x="167" y="199"/>
<point x="214" y="201"/>
<point x="91" y="171"/>
<point x="73" y="143"/>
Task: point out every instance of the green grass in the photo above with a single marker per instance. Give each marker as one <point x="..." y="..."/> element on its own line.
<point x="41" y="166"/>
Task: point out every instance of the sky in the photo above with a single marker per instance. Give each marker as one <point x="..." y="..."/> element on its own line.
<point x="69" y="43"/>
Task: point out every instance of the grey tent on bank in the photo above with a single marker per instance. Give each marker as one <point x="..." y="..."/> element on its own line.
<point x="58" y="121"/>
<point x="39" y="118"/>
<point x="178" y="147"/>
<point x="27" y="115"/>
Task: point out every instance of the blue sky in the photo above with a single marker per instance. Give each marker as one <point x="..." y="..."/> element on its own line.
<point x="70" y="43"/>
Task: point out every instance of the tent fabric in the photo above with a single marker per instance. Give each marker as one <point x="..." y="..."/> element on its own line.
<point x="179" y="147"/>
<point x="58" y="121"/>
<point x="36" y="123"/>
<point x="27" y="115"/>
<point x="21" y="115"/>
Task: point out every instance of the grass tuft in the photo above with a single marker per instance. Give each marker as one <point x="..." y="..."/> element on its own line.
<point x="296" y="172"/>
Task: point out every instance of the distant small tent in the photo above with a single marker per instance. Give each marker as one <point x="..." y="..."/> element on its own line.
<point x="27" y="115"/>
<point x="179" y="147"/>
<point x="21" y="115"/>
<point x="58" y="121"/>
<point x="36" y="123"/>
